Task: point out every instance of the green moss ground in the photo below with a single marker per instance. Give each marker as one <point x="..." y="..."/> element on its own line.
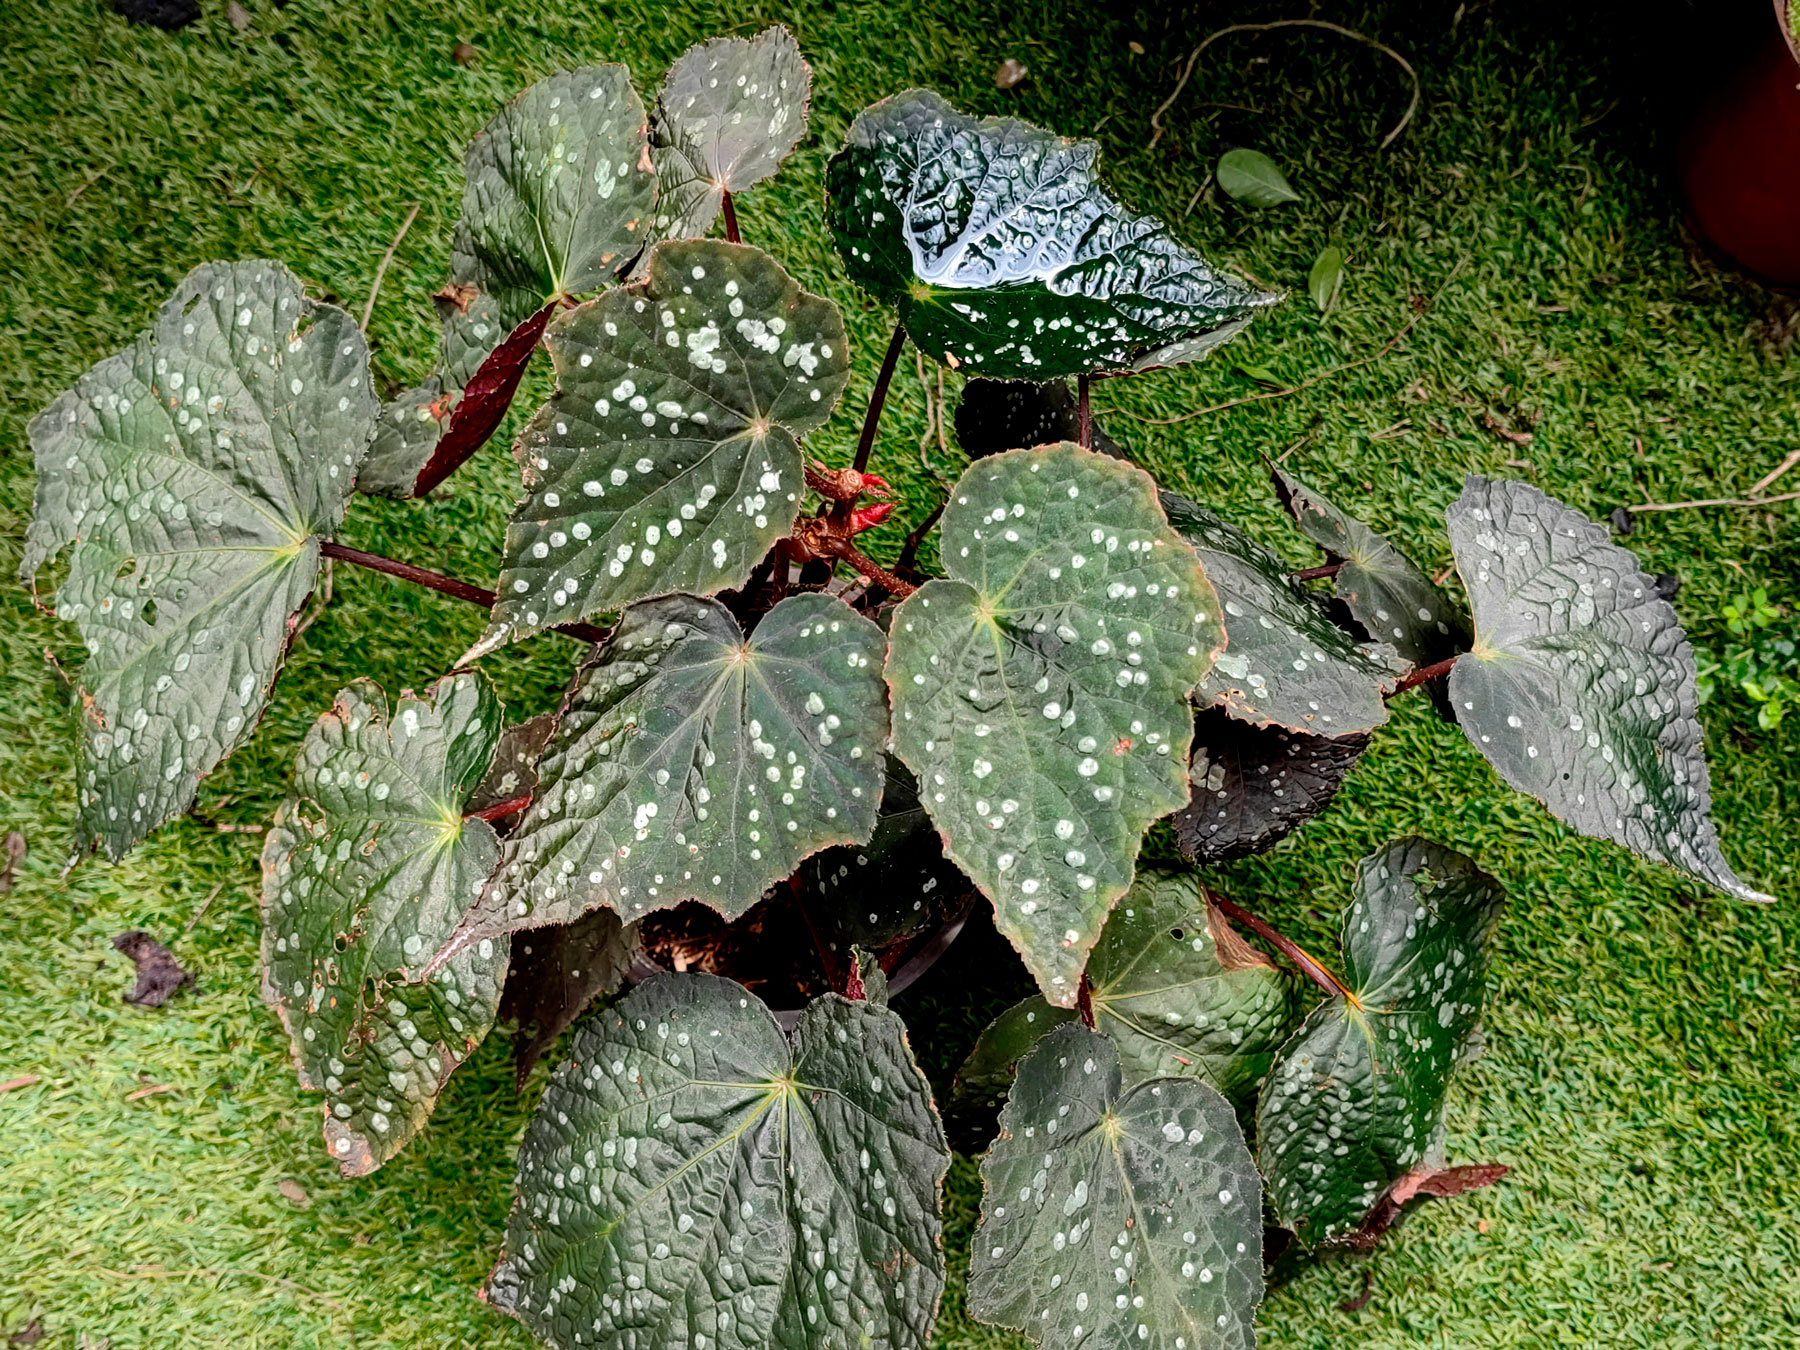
<point x="1642" y="1065"/>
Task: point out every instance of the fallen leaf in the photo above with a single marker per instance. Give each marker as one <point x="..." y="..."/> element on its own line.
<point x="464" y="54"/>
<point x="30" y="1334"/>
<point x="22" y="1081"/>
<point x="15" y="854"/>
<point x="293" y="1192"/>
<point x="1422" y="1182"/>
<point x="237" y="16"/>
<point x="1137" y="48"/>
<point x="1009" y="73"/>
<point x="149" y="1091"/>
<point x="159" y="974"/>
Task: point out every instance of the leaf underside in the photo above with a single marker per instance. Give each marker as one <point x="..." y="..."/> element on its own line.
<point x="694" y="1181"/>
<point x="1113" y="1217"/>
<point x="195" y="473"/>
<point x="729" y="112"/>
<point x="693" y="764"/>
<point x="556" y="972"/>
<point x="1253" y="786"/>
<point x="367" y="871"/>
<point x="1040" y="693"/>
<point x="1003" y="253"/>
<point x="1176" y="1000"/>
<point x="1580" y="688"/>
<point x="1356" y="1096"/>
<point x="1285" y="663"/>
<point x="513" y="772"/>
<point x="1393" y="600"/>
<point x="668" y="458"/>
<point x="998" y="415"/>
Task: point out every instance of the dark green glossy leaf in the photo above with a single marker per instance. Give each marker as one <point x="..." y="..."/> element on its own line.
<point x="1253" y="786"/>
<point x="694" y="1181"/>
<point x="999" y="415"/>
<point x="367" y="871"/>
<point x="668" y="458"/>
<point x="1178" y="991"/>
<point x="1252" y="177"/>
<point x="1040" y="693"/>
<point x="1114" y="1217"/>
<point x="986" y="1077"/>
<point x="194" y="473"/>
<point x="1357" y="1095"/>
<point x="1326" y="278"/>
<point x="1285" y="663"/>
<point x="1003" y="253"/>
<point x="693" y="764"/>
<point x="729" y="112"/>
<point x="1580" y="686"/>
<point x="1393" y="600"/>
<point x="556" y="972"/>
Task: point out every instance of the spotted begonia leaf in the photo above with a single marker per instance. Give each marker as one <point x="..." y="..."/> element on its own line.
<point x="1285" y="663"/>
<point x="1393" y="600"/>
<point x="890" y="888"/>
<point x="1253" y="786"/>
<point x="1003" y="253"/>
<point x="1178" y="991"/>
<point x="998" y="415"/>
<point x="668" y="458"/>
<point x="1114" y="1216"/>
<point x="1356" y="1096"/>
<point x="369" y="867"/>
<point x="694" y="1180"/>
<point x="194" y="473"/>
<point x="691" y="763"/>
<point x="556" y="972"/>
<point x="1040" y="693"/>
<point x="729" y="112"/>
<point x="986" y="1076"/>
<point x="1580" y="686"/>
<point x="513" y="773"/>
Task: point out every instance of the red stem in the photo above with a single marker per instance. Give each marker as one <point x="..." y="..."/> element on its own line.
<point x="1317" y="573"/>
<point x="1084" y="1002"/>
<point x="909" y="551"/>
<point x="501" y="810"/>
<point x="1423" y="674"/>
<point x="1084" y="413"/>
<point x="731" y="228"/>
<point x="877" y="397"/>
<point x="1286" y="946"/>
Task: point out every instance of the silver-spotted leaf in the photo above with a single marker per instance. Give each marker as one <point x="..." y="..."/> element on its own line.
<point x="1392" y="599"/>
<point x="668" y="458"/>
<point x="691" y="763"/>
<point x="1114" y="1216"/>
<point x="366" y="873"/>
<point x="557" y="193"/>
<point x="1285" y="663"/>
<point x="1040" y="693"/>
<point x="1178" y="991"/>
<point x="1004" y="254"/>
<point x="729" y="112"/>
<point x="194" y="473"/>
<point x="1580" y="686"/>
<point x="1253" y="786"/>
<point x="694" y="1180"/>
<point x="1357" y="1095"/>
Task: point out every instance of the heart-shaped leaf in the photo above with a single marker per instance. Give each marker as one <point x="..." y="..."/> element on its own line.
<point x="668" y="458"/>
<point x="998" y="415"/>
<point x="1285" y="663"/>
<point x="369" y="867"/>
<point x="729" y="112"/>
<point x="1179" y="993"/>
<point x="1326" y="278"/>
<point x="693" y="1180"/>
<point x="1040" y="694"/>
<point x="1356" y="1096"/>
<point x="1393" y="600"/>
<point x="556" y="972"/>
<point x="195" y="473"/>
<point x="1580" y="686"/>
<point x="691" y="763"/>
<point x="1252" y="177"/>
<point x="1002" y="252"/>
<point x="1115" y="1217"/>
<point x="1253" y="786"/>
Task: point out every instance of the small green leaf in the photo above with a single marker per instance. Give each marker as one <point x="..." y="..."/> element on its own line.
<point x="1285" y="663"/>
<point x="1178" y="991"/>
<point x="729" y="112"/>
<point x="1114" y="1217"/>
<point x="668" y="458"/>
<point x="1393" y="600"/>
<point x="366" y="872"/>
<point x="1252" y="177"/>
<point x="691" y="763"/>
<point x="693" y="1180"/>
<point x="1580" y="686"/>
<point x="195" y="473"/>
<point x="1040" y="693"/>
<point x="1357" y="1095"/>
<point x="1253" y="786"/>
<point x="1004" y="254"/>
<point x="1326" y="278"/>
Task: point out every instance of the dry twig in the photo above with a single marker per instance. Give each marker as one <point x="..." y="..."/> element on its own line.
<point x="387" y="259"/>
